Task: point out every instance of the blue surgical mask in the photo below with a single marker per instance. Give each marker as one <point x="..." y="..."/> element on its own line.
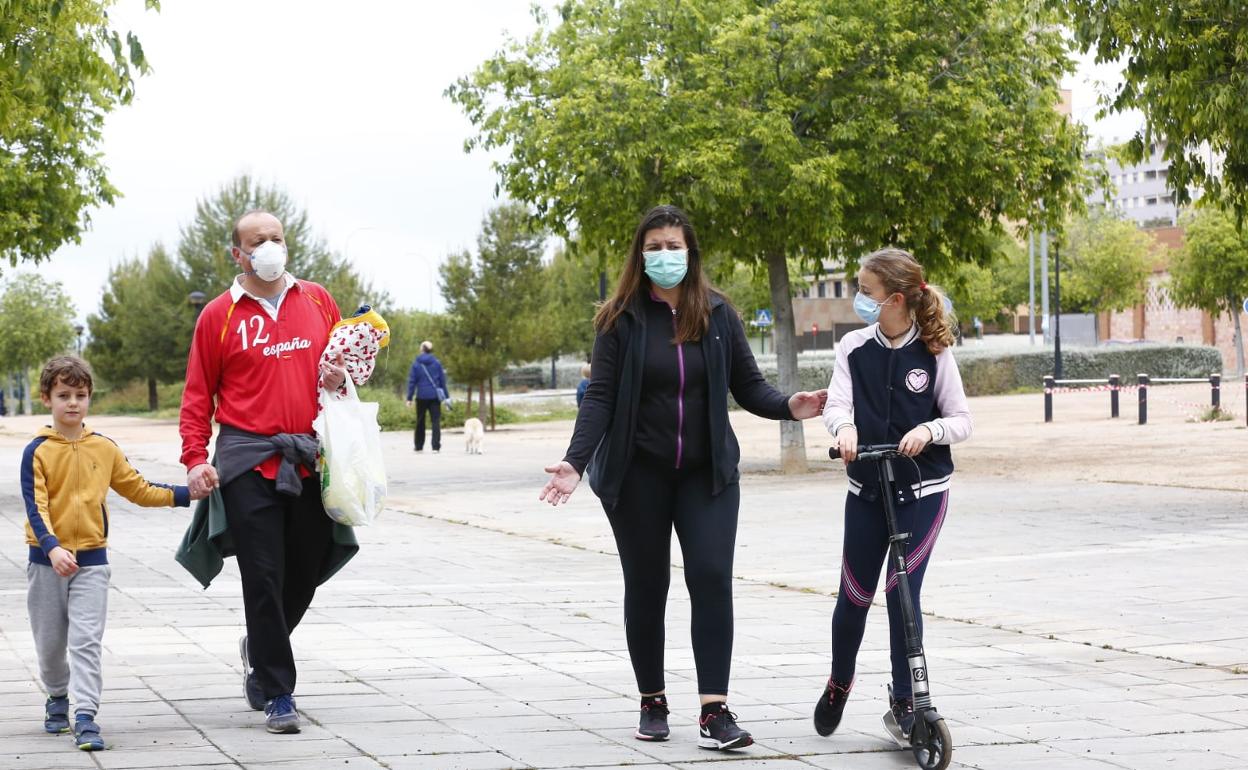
<point x="867" y="308"/>
<point x="667" y="268"/>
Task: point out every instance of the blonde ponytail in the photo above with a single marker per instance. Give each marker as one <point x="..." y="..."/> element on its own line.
<point x="901" y="273"/>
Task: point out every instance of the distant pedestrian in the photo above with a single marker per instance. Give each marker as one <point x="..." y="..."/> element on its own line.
<point x="894" y="382"/>
<point x="427" y="382"/>
<point x="583" y="386"/>
<point x="67" y="471"/>
<point x="655" y="440"/>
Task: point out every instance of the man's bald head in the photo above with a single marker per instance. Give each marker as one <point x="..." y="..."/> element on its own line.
<point x="256" y="227"/>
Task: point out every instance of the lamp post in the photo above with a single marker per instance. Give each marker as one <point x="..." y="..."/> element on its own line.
<point x="197" y="300"/>
<point x="1057" y="312"/>
<point x="78" y="330"/>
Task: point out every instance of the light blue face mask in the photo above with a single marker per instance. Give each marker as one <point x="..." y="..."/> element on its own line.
<point x="867" y="308"/>
<point x="667" y="268"/>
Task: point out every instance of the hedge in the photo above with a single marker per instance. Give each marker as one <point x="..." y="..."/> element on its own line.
<point x="988" y="372"/>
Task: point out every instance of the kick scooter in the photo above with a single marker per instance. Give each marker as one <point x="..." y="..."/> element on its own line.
<point x="929" y="738"/>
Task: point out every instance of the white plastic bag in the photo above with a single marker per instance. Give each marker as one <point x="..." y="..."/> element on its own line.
<point x="353" y="472"/>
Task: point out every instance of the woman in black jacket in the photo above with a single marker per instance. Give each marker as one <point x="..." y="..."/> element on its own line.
<point x="653" y="433"/>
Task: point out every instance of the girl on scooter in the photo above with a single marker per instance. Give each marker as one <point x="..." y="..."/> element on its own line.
<point x="894" y="381"/>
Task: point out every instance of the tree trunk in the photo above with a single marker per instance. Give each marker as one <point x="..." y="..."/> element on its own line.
<point x="554" y="374"/>
<point x="468" y="402"/>
<point x="492" y="425"/>
<point x="481" y="415"/>
<point x="25" y="386"/>
<point x="1239" y="342"/>
<point x="792" y="439"/>
<point x="152" y="402"/>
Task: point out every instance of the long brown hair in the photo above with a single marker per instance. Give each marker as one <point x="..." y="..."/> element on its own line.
<point x="901" y="273"/>
<point x="694" y="315"/>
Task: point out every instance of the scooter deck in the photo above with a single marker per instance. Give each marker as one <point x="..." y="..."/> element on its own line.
<point x="893" y="728"/>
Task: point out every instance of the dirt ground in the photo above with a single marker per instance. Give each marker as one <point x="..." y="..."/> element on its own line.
<point x="1011" y="438"/>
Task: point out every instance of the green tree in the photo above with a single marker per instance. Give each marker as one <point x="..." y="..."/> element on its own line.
<point x="1185" y="63"/>
<point x="205" y="245"/>
<point x="63" y="68"/>
<point x="788" y="129"/>
<point x="1105" y="263"/>
<point x="143" y="328"/>
<point x="570" y="284"/>
<point x="494" y="300"/>
<point x="36" y="323"/>
<point x="1210" y="272"/>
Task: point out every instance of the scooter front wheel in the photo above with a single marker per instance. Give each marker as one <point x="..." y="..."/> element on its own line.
<point x="934" y="752"/>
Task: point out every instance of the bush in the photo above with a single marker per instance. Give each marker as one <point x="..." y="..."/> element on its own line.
<point x="987" y="373"/>
<point x="394" y="414"/>
<point x="991" y="372"/>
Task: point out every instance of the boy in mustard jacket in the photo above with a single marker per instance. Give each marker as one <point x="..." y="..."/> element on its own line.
<point x="67" y="471"/>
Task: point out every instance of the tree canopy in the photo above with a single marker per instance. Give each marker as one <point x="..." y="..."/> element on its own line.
<point x="1186" y="68"/>
<point x="63" y="68"/>
<point x="1210" y="272"/>
<point x="799" y="129"/>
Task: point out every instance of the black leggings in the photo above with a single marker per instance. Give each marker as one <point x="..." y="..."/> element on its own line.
<point x="652" y="500"/>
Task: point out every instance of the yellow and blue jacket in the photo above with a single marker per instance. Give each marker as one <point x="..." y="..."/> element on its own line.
<point x="64" y="486"/>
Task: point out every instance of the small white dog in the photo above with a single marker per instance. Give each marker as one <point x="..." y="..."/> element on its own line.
<point x="474" y="434"/>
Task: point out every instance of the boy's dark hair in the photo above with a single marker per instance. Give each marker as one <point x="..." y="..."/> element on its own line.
<point x="71" y="370"/>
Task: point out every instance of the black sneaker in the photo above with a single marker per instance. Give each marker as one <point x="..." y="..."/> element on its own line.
<point x="653" y="725"/>
<point x="899" y="719"/>
<point x="56" y="715"/>
<point x="718" y="729"/>
<point x="830" y="706"/>
<point x="251" y="688"/>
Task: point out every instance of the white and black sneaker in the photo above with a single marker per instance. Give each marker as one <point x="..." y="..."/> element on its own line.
<point x="653" y="724"/>
<point x="718" y="729"/>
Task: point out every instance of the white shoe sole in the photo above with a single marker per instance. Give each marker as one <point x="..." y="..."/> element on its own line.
<point x="706" y="742"/>
<point x="653" y="738"/>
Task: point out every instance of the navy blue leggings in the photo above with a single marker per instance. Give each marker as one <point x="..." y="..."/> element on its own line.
<point x="866" y="547"/>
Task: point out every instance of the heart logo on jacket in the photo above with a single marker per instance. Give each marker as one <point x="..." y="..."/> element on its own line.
<point x="916" y="380"/>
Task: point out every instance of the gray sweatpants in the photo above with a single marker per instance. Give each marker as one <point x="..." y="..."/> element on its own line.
<point x="67" y="616"/>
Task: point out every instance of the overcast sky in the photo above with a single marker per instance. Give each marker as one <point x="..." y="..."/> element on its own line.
<point x="340" y="104"/>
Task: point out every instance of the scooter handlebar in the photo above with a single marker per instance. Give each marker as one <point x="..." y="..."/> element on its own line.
<point x="870" y="452"/>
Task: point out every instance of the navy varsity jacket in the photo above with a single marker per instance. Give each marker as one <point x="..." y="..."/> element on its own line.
<point x="886" y="391"/>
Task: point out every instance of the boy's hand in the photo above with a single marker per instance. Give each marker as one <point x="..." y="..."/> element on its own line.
<point x="63" y="561"/>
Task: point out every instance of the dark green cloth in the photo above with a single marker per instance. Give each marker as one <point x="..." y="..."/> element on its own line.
<point x="208" y="542"/>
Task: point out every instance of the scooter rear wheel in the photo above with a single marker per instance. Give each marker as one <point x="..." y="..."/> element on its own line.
<point x="936" y="752"/>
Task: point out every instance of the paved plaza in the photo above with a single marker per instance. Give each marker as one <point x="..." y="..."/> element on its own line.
<point x="1073" y="620"/>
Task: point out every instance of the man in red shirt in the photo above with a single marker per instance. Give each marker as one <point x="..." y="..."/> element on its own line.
<point x="255" y="363"/>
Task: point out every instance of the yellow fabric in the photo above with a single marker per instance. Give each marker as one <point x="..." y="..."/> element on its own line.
<point x="71" y="482"/>
<point x="373" y="319"/>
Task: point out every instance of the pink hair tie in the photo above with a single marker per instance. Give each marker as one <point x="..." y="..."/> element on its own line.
<point x="923" y="285"/>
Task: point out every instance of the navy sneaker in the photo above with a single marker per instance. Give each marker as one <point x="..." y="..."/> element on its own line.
<point x="87" y="732"/>
<point x="653" y="724"/>
<point x="899" y="719"/>
<point x="56" y="714"/>
<point x="717" y="729"/>
<point x="280" y="715"/>
<point x="251" y="688"/>
<point x="831" y="706"/>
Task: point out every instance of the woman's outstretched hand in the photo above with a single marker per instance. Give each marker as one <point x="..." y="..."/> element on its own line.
<point x="563" y="481"/>
<point x="806" y="404"/>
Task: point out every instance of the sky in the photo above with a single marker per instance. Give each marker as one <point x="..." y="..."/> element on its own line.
<point x="341" y="105"/>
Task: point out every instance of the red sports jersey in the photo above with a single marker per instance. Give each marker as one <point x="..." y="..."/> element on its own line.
<point x="262" y="372"/>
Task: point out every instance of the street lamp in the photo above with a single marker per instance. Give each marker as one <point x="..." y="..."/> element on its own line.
<point x="78" y="330"/>
<point x="197" y="300"/>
